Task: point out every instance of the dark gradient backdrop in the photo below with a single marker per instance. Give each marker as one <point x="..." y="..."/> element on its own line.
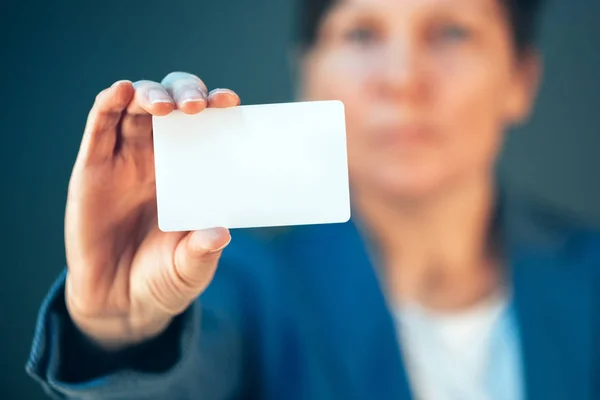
<point x="56" y="55"/>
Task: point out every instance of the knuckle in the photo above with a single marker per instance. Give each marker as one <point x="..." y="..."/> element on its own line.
<point x="178" y="75"/>
<point x="184" y="281"/>
<point x="193" y="271"/>
<point x="100" y="96"/>
<point x="147" y="89"/>
<point x="203" y="267"/>
<point x="178" y="79"/>
<point x="198" y="281"/>
<point x="144" y="85"/>
<point x="166" y="295"/>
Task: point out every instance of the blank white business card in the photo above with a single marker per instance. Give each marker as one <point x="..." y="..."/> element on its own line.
<point x="252" y="166"/>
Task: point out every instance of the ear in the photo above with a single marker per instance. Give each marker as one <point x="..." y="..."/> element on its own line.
<point x="524" y="88"/>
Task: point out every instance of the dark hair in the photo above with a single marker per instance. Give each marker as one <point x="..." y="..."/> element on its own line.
<point x="523" y="16"/>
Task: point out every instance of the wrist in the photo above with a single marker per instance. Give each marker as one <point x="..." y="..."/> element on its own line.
<point x="115" y="332"/>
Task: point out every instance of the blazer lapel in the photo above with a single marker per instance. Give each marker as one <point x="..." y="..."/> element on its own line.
<point x="553" y="303"/>
<point x="358" y="327"/>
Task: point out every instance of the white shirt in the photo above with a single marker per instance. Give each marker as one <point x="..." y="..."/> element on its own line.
<point x="471" y="355"/>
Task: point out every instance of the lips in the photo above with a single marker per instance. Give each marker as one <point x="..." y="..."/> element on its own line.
<point x="403" y="136"/>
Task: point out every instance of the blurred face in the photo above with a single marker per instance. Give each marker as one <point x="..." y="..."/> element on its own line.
<point x="429" y="87"/>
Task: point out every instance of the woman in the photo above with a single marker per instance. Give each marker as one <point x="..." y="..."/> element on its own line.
<point x="429" y="293"/>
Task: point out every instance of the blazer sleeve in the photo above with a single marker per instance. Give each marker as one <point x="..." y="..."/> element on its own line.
<point x="199" y="356"/>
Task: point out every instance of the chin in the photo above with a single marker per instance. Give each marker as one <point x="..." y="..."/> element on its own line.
<point x="409" y="188"/>
<point x="403" y="184"/>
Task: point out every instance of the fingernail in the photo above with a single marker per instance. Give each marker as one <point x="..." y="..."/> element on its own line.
<point x="222" y="246"/>
<point x="220" y="90"/>
<point x="192" y="95"/>
<point x="230" y="92"/>
<point x="211" y="240"/>
<point x="158" y="96"/>
<point x="117" y="83"/>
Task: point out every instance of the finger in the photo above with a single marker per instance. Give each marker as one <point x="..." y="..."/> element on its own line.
<point x="150" y="98"/>
<point x="223" y="98"/>
<point x="99" y="136"/>
<point x="195" y="262"/>
<point x="188" y="91"/>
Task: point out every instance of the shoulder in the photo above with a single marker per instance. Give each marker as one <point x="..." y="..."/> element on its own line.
<point x="536" y="223"/>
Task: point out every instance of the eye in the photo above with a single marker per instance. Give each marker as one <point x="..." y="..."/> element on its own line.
<point x="360" y="35"/>
<point x="452" y="33"/>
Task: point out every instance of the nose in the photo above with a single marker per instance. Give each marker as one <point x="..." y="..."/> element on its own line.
<point x="401" y="72"/>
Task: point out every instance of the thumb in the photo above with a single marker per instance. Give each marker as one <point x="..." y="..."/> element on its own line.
<point x="195" y="262"/>
<point x="197" y="255"/>
<point x="208" y="241"/>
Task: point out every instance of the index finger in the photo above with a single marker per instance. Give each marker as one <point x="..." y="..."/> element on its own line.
<point x="98" y="138"/>
<point x="189" y="92"/>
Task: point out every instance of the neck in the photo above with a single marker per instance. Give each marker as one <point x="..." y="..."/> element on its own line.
<point x="435" y="250"/>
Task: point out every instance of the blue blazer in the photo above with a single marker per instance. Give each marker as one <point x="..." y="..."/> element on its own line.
<point x="299" y="314"/>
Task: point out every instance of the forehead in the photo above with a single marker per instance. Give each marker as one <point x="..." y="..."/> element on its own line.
<point x="482" y="6"/>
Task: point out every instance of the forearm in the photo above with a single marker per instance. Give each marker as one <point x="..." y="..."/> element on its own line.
<point x="183" y="362"/>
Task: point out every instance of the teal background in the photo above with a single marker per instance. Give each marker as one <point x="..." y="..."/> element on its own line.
<point x="55" y="56"/>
